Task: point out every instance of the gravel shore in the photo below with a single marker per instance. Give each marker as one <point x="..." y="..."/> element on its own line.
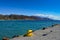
<point x="52" y="33"/>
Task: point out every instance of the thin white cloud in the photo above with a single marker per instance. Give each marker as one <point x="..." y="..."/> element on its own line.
<point x="48" y="16"/>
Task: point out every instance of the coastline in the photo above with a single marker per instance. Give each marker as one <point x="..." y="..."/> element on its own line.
<point x="16" y="19"/>
<point x="52" y="33"/>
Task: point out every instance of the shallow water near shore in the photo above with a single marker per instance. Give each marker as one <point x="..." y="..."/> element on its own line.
<point x="10" y="28"/>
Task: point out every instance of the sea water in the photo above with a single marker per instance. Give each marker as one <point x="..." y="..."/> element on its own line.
<point x="9" y="28"/>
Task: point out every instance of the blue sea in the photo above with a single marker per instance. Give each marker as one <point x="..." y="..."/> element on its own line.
<point x="9" y="28"/>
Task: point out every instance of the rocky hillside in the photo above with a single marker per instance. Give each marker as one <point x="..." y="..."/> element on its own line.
<point x="12" y="16"/>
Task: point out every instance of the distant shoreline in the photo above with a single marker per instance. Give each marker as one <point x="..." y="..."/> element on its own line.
<point x="15" y="19"/>
<point x="21" y="17"/>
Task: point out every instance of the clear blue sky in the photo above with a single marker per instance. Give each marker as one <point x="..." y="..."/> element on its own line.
<point x="30" y="7"/>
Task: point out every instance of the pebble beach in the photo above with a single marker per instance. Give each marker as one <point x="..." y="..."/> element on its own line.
<point x="51" y="33"/>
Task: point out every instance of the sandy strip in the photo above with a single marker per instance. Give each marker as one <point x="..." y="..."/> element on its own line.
<point x="53" y="33"/>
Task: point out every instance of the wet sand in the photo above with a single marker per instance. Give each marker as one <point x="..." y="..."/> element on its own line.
<point x="51" y="33"/>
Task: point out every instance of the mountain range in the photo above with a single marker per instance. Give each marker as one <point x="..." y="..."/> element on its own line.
<point x="24" y="17"/>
